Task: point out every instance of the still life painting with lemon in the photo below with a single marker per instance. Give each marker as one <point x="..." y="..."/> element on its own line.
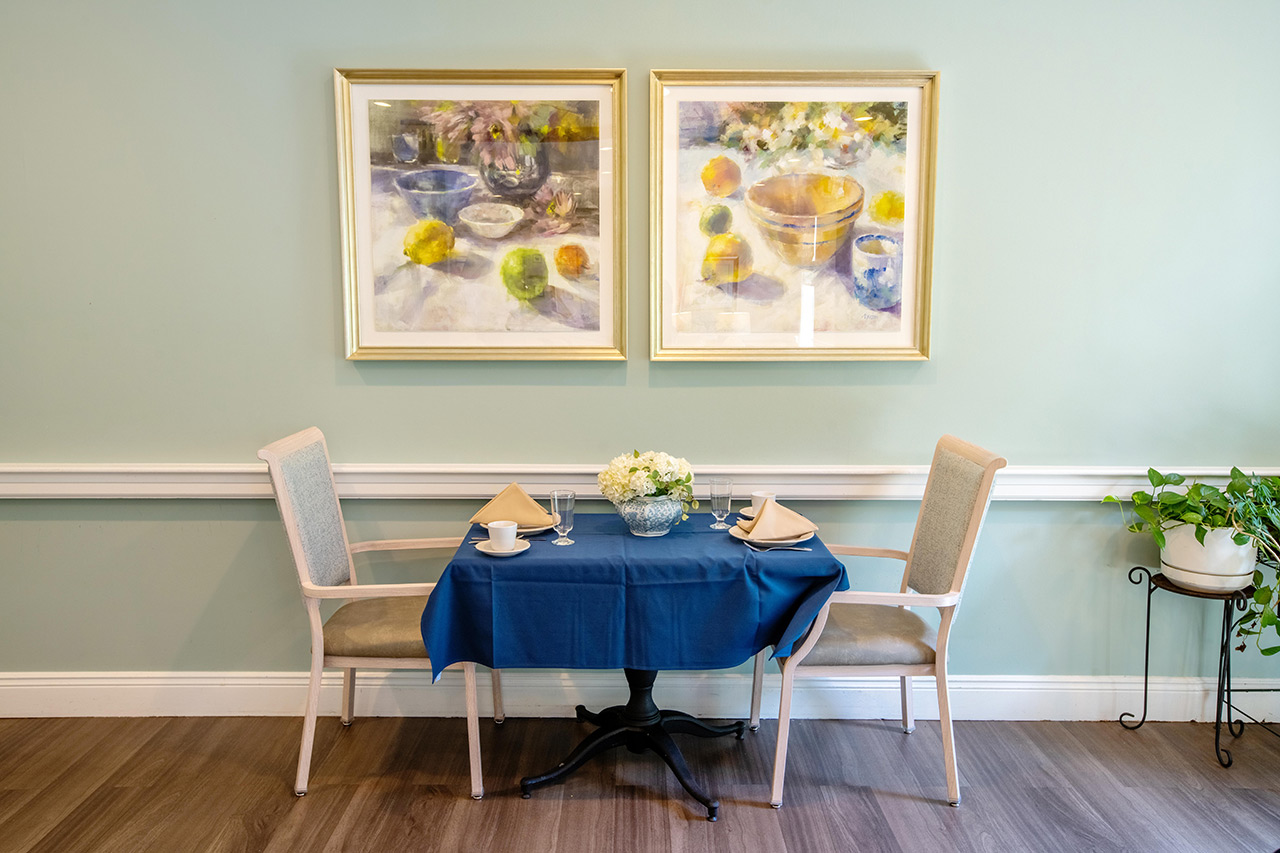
<point x="794" y="216"/>
<point x="484" y="216"/>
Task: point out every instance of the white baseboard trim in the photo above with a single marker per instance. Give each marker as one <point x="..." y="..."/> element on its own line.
<point x="26" y="481"/>
<point x="537" y="693"/>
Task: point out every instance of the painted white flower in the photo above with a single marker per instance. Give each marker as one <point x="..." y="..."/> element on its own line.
<point x="793" y="116"/>
<point x="834" y="119"/>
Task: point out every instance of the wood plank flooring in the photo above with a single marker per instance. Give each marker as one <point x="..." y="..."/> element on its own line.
<point x="223" y="784"/>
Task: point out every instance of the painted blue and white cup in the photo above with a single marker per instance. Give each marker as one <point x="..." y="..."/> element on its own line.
<point x="877" y="271"/>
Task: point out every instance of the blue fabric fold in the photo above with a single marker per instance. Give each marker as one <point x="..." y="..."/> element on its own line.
<point x="693" y="599"/>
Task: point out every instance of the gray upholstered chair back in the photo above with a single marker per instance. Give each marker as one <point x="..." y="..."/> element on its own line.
<point x="955" y="503"/>
<point x="308" y="500"/>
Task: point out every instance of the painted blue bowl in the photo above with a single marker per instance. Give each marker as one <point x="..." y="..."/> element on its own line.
<point x="437" y="193"/>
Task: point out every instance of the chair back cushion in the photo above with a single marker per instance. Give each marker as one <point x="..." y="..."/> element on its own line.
<point x="955" y="502"/>
<point x="309" y="503"/>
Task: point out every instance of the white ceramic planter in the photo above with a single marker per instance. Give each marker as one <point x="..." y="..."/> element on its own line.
<point x="1219" y="565"/>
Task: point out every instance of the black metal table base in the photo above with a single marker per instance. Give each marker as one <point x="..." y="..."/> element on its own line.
<point x="639" y="725"/>
<point x="1231" y="601"/>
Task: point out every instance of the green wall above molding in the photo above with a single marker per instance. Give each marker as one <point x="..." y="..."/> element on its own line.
<point x="1105" y="284"/>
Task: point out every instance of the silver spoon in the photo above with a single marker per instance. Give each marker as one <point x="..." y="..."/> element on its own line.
<point x="774" y="547"/>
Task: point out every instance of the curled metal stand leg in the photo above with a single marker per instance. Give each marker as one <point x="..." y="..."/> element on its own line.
<point x="1136" y="576"/>
<point x="1241" y="602"/>
<point x="1224" y="687"/>
<point x="639" y="725"/>
<point x="1236" y="726"/>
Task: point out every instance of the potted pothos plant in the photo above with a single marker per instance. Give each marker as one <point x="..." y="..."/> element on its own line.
<point x="1231" y="532"/>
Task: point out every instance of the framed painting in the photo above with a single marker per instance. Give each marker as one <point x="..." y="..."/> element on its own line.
<point x="482" y="214"/>
<point x="792" y="215"/>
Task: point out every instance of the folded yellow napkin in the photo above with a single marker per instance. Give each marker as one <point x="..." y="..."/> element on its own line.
<point x="775" y="521"/>
<point x="513" y="504"/>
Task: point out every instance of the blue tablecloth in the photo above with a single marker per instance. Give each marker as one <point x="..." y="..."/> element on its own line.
<point x="693" y="599"/>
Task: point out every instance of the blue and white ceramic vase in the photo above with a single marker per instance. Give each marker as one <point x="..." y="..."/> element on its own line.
<point x="652" y="515"/>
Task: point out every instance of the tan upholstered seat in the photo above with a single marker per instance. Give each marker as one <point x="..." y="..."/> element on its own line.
<point x="380" y="625"/>
<point x="873" y="635"/>
<point x="377" y="628"/>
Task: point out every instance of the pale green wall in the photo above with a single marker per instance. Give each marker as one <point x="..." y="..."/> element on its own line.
<point x="169" y="291"/>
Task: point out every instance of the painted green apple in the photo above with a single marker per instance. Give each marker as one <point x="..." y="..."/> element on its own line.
<point x="524" y="272"/>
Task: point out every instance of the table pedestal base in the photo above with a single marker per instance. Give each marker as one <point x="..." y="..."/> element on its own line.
<point x="639" y="725"/>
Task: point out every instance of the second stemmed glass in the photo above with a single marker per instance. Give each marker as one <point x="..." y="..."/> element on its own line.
<point x="721" y="495"/>
<point x="562" y="503"/>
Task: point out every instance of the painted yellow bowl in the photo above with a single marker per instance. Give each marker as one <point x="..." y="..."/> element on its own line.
<point x="805" y="217"/>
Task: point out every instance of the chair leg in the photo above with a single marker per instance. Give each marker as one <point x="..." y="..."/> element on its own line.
<point x="757" y="689"/>
<point x="908" y="712"/>
<point x="473" y="729"/>
<point x="499" y="713"/>
<point x="309" y="724"/>
<point x="948" y="738"/>
<point x="348" y="696"/>
<point x="784" y="726"/>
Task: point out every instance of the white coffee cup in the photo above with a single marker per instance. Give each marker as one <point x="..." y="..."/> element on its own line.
<point x="502" y="535"/>
<point x="758" y="499"/>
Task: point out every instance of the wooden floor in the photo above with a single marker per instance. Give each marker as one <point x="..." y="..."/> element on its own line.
<point x="214" y="784"/>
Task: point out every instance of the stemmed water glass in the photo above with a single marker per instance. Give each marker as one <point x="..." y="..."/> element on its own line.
<point x="562" y="503"/>
<point x="721" y="495"/>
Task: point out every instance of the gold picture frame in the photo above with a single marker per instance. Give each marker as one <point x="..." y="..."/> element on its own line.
<point x="791" y="214"/>
<point x="483" y="213"/>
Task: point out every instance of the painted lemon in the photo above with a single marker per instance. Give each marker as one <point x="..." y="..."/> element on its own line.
<point x="428" y="241"/>
<point x="716" y="219"/>
<point x="721" y="176"/>
<point x="524" y="272"/>
<point x="728" y="260"/>
<point x="571" y="260"/>
<point x="889" y="207"/>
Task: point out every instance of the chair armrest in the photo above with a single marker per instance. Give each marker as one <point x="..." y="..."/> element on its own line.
<point x="405" y="544"/>
<point x="857" y="551"/>
<point x="897" y="599"/>
<point x="367" y="590"/>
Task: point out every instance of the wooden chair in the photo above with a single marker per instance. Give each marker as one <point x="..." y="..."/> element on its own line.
<point x="875" y="633"/>
<point x="380" y="625"/>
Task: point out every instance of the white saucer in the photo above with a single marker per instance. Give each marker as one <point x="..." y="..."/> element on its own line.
<point x="486" y="547"/>
<point x="736" y="533"/>
<point x="747" y="511"/>
<point x="525" y="531"/>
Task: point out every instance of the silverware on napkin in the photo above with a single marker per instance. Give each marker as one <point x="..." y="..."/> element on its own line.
<point x="773" y="547"/>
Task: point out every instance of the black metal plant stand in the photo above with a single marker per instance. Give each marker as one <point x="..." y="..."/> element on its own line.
<point x="639" y="725"/>
<point x="1231" y="601"/>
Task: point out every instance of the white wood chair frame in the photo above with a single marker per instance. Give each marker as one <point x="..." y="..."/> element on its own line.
<point x="947" y="604"/>
<point x="313" y="594"/>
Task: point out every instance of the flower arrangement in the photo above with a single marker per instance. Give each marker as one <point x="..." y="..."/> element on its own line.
<point x="499" y="129"/>
<point x="652" y="473"/>
<point x="836" y="134"/>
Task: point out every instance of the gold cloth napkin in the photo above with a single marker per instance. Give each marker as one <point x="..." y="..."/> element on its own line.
<point x="513" y="504"/>
<point x="775" y="521"/>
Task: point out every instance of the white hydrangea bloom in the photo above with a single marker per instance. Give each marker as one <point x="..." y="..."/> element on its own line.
<point x="650" y="473"/>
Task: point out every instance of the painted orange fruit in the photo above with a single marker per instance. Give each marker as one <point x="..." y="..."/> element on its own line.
<point x="572" y="260"/>
<point x="721" y="176"/>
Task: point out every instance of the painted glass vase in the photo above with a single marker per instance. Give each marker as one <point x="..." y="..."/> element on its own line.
<point x="651" y="515"/>
<point x="514" y="171"/>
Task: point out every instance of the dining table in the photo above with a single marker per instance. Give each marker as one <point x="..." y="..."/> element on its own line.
<point x="694" y="599"/>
